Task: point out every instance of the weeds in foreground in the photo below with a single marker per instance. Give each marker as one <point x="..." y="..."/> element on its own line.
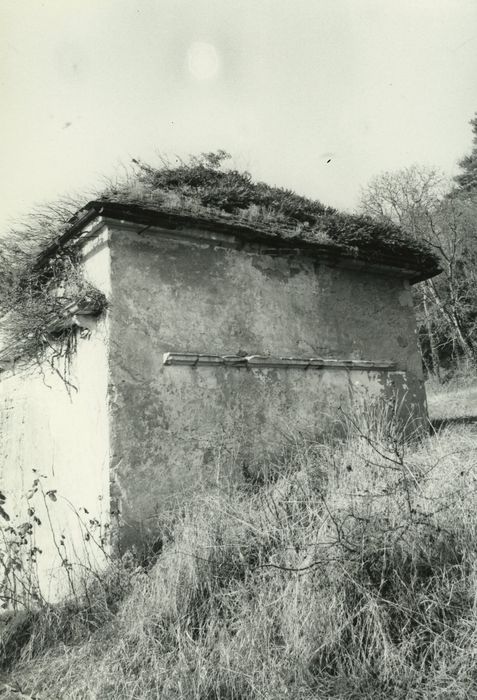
<point x="350" y="574"/>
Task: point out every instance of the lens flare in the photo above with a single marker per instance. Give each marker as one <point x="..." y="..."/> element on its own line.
<point x="202" y="61"/>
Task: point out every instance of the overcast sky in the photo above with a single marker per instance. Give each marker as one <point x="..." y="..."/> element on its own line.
<point x="315" y="95"/>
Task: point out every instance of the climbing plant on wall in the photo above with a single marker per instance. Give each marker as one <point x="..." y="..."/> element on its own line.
<point x="41" y="288"/>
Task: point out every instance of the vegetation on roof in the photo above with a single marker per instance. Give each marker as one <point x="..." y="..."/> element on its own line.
<point x="34" y="297"/>
<point x="38" y="302"/>
<point x="203" y="186"/>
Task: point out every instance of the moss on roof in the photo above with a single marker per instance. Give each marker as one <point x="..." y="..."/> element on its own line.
<point x="40" y="256"/>
<point x="201" y="189"/>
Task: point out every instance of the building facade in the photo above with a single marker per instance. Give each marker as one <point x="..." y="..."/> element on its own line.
<point x="219" y="344"/>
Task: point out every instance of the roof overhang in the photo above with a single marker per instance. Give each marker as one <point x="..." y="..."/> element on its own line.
<point x="227" y="229"/>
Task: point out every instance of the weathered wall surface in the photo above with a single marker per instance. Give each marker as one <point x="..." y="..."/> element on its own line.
<point x="62" y="433"/>
<point x="176" y="427"/>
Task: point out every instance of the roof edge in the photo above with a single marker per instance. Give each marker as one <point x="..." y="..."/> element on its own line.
<point x="227" y="224"/>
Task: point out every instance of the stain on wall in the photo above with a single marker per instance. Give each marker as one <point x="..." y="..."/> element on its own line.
<point x="146" y="435"/>
<point x="175" y="428"/>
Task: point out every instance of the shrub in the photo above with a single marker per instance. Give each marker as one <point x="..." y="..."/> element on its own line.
<point x="41" y="278"/>
<point x="203" y="186"/>
<point x="42" y="287"/>
<point x="351" y="574"/>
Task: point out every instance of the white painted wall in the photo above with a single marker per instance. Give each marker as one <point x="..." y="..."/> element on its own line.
<point x="63" y="433"/>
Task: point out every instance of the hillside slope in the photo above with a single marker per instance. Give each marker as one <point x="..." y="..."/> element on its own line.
<point x="350" y="571"/>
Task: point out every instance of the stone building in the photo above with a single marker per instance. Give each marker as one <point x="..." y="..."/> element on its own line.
<point x="220" y="340"/>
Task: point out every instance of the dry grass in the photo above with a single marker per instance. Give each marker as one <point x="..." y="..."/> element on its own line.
<point x="352" y="574"/>
<point x="453" y="400"/>
<point x="202" y="186"/>
<point x="41" y="280"/>
<point x="38" y="300"/>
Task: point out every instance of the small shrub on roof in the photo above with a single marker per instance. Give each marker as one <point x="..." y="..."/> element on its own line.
<point x="204" y="180"/>
<point x="202" y="185"/>
<point x="37" y="288"/>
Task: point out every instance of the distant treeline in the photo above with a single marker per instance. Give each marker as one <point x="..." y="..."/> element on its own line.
<point x="443" y="213"/>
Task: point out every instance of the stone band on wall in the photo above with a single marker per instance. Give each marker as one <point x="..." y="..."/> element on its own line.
<point x="192" y="359"/>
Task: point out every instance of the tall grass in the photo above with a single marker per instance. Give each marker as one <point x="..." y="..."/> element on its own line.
<point x="350" y="573"/>
<point x="455" y="399"/>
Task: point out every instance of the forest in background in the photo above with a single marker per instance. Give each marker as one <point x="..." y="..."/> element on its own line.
<point x="443" y="213"/>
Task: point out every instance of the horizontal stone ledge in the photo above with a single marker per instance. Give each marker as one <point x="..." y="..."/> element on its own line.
<point x="192" y="359"/>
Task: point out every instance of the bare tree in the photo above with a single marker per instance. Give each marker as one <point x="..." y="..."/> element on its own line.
<point x="422" y="201"/>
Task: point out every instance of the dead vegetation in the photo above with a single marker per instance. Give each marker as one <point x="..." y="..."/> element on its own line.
<point x="40" y="281"/>
<point x="40" y="292"/>
<point x="204" y="186"/>
<point x="349" y="573"/>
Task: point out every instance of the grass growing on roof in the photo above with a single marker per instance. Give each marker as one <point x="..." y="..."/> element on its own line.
<point x="203" y="186"/>
<point x="33" y="296"/>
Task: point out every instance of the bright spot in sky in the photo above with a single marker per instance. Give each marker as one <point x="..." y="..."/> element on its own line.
<point x="202" y="60"/>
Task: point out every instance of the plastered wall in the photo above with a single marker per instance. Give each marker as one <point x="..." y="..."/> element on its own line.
<point x="56" y="429"/>
<point x="139" y="435"/>
<point x="176" y="428"/>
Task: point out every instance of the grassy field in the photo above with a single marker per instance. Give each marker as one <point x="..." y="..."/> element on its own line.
<point x="351" y="573"/>
<point x="453" y="401"/>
